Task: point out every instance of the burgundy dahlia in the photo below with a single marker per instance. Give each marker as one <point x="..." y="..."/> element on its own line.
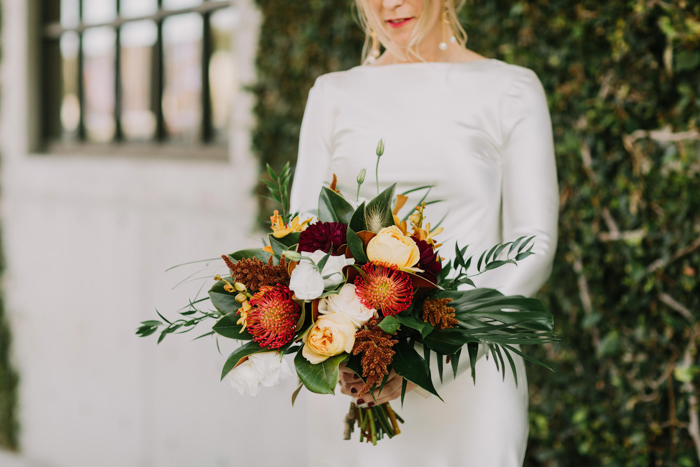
<point x="428" y="261"/>
<point x="325" y="236"/>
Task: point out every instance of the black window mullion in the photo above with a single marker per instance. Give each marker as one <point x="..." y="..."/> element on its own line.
<point x="118" y="134"/>
<point x="81" y="81"/>
<point x="207" y="49"/>
<point x="159" y="77"/>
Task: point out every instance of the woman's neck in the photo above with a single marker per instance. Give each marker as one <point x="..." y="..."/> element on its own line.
<point x="429" y="51"/>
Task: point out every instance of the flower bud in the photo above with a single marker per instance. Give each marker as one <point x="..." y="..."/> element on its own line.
<point x="240" y="287"/>
<point x="380" y="148"/>
<point x="292" y="255"/>
<point x="361" y="177"/>
<point x="240" y="298"/>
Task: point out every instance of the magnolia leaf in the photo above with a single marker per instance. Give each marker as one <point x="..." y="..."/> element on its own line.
<point x="390" y="324"/>
<point x="227" y="327"/>
<point x="236" y="357"/>
<point x="357" y="221"/>
<point x="332" y="207"/>
<point x="356" y="246"/>
<point x="262" y="255"/>
<point x="224" y="301"/>
<point x="320" y="378"/>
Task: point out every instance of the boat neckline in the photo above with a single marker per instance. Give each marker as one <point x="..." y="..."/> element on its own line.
<point x="411" y="64"/>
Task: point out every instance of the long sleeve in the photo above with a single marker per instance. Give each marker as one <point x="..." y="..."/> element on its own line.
<point x="315" y="145"/>
<point x="530" y="196"/>
<point x="530" y="192"/>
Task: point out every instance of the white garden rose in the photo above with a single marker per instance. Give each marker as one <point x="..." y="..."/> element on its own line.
<point x="333" y="268"/>
<point x="261" y="369"/>
<point x="308" y="283"/>
<point x="347" y="303"/>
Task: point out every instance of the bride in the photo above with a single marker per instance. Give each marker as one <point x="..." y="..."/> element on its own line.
<point x="477" y="130"/>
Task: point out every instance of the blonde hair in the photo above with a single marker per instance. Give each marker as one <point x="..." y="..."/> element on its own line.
<point x="370" y="23"/>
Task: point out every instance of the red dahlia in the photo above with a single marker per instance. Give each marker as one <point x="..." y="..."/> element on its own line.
<point x="274" y="316"/>
<point x="325" y="236"/>
<point x="428" y="261"/>
<point x="384" y="288"/>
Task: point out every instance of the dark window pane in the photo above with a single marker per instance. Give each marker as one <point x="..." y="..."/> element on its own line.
<point x="176" y="4"/>
<point x="69" y="13"/>
<point x="138" y="119"/>
<point x="99" y="11"/>
<point x="223" y="79"/>
<point x="135" y="8"/>
<point x="70" y="104"/>
<point x="182" y="109"/>
<point x="98" y="76"/>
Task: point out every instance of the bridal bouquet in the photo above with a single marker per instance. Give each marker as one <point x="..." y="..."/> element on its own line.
<point x="360" y="286"/>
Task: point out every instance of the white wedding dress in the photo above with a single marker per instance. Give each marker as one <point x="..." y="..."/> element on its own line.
<point x="480" y="132"/>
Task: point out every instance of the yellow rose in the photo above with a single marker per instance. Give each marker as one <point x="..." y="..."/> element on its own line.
<point x="391" y="246"/>
<point x="332" y="334"/>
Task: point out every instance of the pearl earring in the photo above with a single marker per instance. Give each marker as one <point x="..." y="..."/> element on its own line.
<point x="445" y="23"/>
<point x="375" y="48"/>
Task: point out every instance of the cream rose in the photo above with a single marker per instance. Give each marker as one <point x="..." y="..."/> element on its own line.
<point x="332" y="334"/>
<point x="347" y="303"/>
<point x="391" y="246"/>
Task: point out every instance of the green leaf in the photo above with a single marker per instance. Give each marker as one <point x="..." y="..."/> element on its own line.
<point x="356" y="246"/>
<point x="333" y="208"/>
<point x="454" y="361"/>
<point x="296" y="392"/>
<point x="408" y="364"/>
<point x="439" y="364"/>
<point x="225" y="302"/>
<point x="390" y="324"/>
<point x="227" y="327"/>
<point x="473" y="349"/>
<point x="448" y="341"/>
<point x="414" y="323"/>
<point x="243" y="351"/>
<point x="498" y="264"/>
<point x="320" y="378"/>
<point x="357" y="222"/>
<point x="378" y="212"/>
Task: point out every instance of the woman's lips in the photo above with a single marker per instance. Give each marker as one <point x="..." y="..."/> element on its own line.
<point x="397" y="23"/>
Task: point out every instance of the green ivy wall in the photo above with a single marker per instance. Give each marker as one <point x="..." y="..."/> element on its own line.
<point x="623" y="83"/>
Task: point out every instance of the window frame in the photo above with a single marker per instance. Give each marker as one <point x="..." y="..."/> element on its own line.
<point x="50" y="92"/>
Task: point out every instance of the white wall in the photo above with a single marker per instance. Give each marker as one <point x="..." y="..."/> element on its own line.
<point x="87" y="240"/>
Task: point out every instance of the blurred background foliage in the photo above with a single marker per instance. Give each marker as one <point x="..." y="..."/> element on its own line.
<point x="8" y="380"/>
<point x="623" y="83"/>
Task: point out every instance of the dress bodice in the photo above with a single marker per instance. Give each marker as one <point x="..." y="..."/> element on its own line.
<point x="479" y="132"/>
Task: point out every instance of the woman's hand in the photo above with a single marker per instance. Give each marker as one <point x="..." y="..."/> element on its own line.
<point x="350" y="384"/>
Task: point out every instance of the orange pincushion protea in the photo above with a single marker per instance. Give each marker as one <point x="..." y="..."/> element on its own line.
<point x="384" y="288"/>
<point x="273" y="318"/>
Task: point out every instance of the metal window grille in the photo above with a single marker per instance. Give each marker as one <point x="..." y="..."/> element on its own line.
<point x="74" y="83"/>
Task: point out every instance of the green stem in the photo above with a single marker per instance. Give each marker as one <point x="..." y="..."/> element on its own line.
<point x="376" y="173"/>
<point x="372" y="426"/>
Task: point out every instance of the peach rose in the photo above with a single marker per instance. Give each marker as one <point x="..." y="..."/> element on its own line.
<point x="391" y="246"/>
<point x="331" y="334"/>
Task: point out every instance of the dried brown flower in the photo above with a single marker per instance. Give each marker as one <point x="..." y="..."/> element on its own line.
<point x="375" y="346"/>
<point x="437" y="313"/>
<point x="255" y="274"/>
